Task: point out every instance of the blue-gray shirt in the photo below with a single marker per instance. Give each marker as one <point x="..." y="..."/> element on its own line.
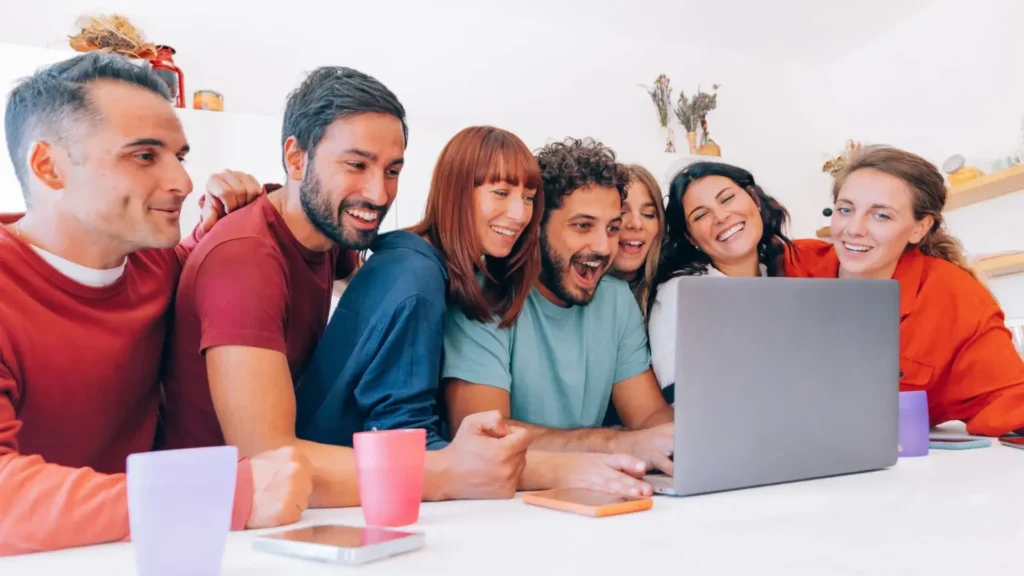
<point x="558" y="364"/>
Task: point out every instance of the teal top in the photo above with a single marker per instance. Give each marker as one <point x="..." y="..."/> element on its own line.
<point x="558" y="364"/>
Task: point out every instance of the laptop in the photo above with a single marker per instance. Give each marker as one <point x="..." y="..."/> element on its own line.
<point x="781" y="380"/>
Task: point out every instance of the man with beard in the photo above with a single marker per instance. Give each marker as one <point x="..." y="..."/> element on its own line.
<point x="580" y="339"/>
<point x="254" y="300"/>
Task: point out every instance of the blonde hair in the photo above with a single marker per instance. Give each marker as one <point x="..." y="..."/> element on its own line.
<point x="642" y="289"/>
<point x="928" y="196"/>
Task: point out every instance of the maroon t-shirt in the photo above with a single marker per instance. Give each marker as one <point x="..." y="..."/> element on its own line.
<point x="248" y="283"/>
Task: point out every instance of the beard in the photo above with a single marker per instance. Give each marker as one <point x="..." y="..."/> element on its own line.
<point x="556" y="273"/>
<point x="329" y="222"/>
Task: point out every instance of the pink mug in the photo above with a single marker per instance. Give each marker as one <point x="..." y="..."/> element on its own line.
<point x="390" y="467"/>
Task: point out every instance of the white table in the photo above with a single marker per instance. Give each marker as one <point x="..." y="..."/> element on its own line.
<point x="953" y="512"/>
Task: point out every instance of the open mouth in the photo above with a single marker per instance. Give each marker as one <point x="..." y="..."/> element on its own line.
<point x="631" y="247"/>
<point x="857" y="248"/>
<point x="587" y="271"/>
<point x="730" y="232"/>
<point x="506" y="233"/>
<point x="363" y="216"/>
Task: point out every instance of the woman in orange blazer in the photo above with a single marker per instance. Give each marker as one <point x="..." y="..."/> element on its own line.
<point x="954" y="343"/>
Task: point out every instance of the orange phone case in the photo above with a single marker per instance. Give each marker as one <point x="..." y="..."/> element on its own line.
<point x="587" y="502"/>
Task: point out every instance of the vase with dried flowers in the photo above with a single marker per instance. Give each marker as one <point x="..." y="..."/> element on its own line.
<point x="692" y="114"/>
<point x="702" y="104"/>
<point x="661" y="96"/>
<point x="684" y="113"/>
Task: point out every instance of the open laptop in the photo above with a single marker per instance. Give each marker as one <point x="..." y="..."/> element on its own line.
<point x="783" y="379"/>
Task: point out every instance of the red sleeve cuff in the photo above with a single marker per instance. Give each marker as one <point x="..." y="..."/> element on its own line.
<point x="243" y="495"/>
<point x="251" y="338"/>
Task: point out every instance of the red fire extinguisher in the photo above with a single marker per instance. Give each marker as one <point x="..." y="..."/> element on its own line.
<point x="164" y="66"/>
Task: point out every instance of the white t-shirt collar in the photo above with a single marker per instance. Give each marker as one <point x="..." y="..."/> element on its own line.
<point x="82" y="274"/>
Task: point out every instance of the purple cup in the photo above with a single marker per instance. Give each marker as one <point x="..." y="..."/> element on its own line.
<point x="914" y="426"/>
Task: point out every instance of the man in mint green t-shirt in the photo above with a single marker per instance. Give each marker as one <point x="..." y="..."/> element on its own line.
<point x="579" y="341"/>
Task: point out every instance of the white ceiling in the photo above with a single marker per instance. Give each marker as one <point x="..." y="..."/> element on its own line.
<point x="791" y="30"/>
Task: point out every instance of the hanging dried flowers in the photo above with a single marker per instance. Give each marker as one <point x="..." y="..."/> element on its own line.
<point x="113" y="33"/>
<point x="661" y="95"/>
<point x="684" y="113"/>
<point x="692" y="113"/>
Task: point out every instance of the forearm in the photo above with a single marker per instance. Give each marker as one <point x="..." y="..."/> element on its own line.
<point x="335" y="484"/>
<point x="437" y="476"/>
<point x="663" y="416"/>
<point x="49" y="507"/>
<point x="1000" y="413"/>
<point x="604" y="440"/>
<point x="541" y="472"/>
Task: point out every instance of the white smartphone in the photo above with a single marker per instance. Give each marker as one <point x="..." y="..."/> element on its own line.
<point x="340" y="544"/>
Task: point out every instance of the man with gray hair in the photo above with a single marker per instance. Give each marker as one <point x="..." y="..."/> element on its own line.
<point x="87" y="274"/>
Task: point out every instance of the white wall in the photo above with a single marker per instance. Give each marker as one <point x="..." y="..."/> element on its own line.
<point x="946" y="82"/>
<point x="941" y="82"/>
<point x="245" y="142"/>
<point x="541" y="69"/>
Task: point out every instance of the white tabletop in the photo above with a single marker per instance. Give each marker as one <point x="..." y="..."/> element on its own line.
<point x="951" y="512"/>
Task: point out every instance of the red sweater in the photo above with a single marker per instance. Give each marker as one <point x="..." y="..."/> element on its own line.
<point x="79" y="392"/>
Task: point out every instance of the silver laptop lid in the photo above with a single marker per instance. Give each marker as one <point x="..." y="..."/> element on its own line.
<point x="783" y="379"/>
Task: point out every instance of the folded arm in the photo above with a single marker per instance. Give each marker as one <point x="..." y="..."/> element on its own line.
<point x="466" y="398"/>
<point x="399" y="387"/>
<point x="550" y="464"/>
<point x="986" y="381"/>
<point x="254" y="398"/>
<point x="638" y="401"/>
<point x="45" y="506"/>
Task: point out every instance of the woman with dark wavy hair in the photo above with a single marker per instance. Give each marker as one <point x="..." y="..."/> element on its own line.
<point x="718" y="222"/>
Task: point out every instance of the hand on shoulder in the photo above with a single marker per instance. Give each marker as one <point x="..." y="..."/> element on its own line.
<point x="226" y="192"/>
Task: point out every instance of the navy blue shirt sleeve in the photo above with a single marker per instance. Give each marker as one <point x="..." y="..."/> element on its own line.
<point x="399" y="388"/>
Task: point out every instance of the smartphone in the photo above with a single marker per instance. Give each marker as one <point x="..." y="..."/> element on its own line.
<point x="1013" y="441"/>
<point x="340" y="544"/>
<point x="587" y="502"/>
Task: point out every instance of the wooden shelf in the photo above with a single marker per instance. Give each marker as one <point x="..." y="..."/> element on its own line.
<point x="824" y="232"/>
<point x="1001" y="264"/>
<point x="986" y="188"/>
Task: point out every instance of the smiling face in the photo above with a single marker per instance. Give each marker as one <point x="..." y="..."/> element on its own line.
<point x="723" y="220"/>
<point x="126" y="179"/>
<point x="873" y="223"/>
<point x="502" y="211"/>
<point x="579" y="241"/>
<point x="640" y="228"/>
<point x="352" y="178"/>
